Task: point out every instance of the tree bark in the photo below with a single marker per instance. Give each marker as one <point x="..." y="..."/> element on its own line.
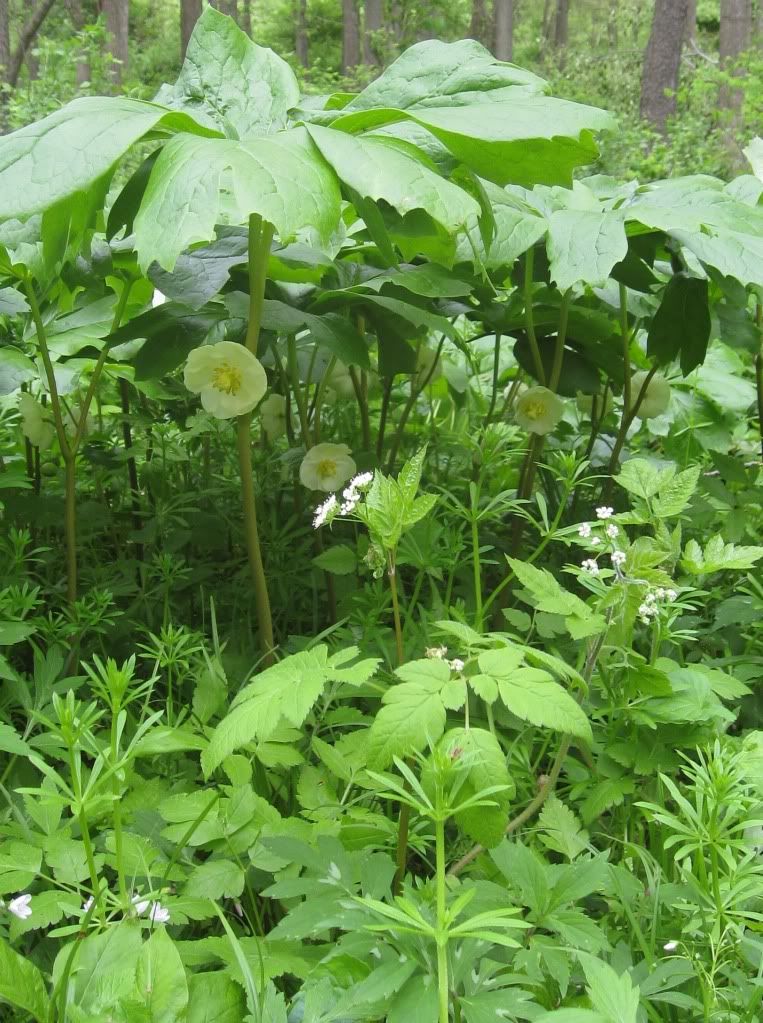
<point x="503" y="29"/>
<point x="562" y="23"/>
<point x="229" y="7"/>
<point x="735" y="38"/>
<point x="691" y="21"/>
<point x="373" y="23"/>
<point x="190" y="12"/>
<point x="350" y="36"/>
<point x="300" y="36"/>
<point x="662" y="61"/>
<point x="117" y="18"/>
<point x="5" y="40"/>
<point x="78" y="17"/>
<point x="478" y="27"/>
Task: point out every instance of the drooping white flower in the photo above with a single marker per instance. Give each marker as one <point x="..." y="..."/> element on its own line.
<point x="324" y="511"/>
<point x="159" y="913"/>
<point x="618" y="558"/>
<point x="230" y="380"/>
<point x="36" y="423"/>
<point x="428" y="367"/>
<point x="585" y="530"/>
<point x="140" y="904"/>
<point x="340" y="381"/>
<point x="612" y="531"/>
<point x="273" y="416"/>
<point x="605" y="512"/>
<point x="538" y="410"/>
<point x="657" y="396"/>
<point x="670" y="946"/>
<point x="590" y="566"/>
<point x="326" y="467"/>
<point x="20" y="906"/>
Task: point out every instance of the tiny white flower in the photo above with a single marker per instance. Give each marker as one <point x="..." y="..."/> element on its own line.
<point x="159" y="913"/>
<point x="595" y="540"/>
<point x="585" y="530"/>
<point x="618" y="558"/>
<point x="36" y="424"/>
<point x="362" y="480"/>
<point x="323" y="511"/>
<point x="141" y="905"/>
<point x="670" y="946"/>
<point x="273" y="416"/>
<point x="326" y="467"/>
<point x="612" y="531"/>
<point x="456" y="664"/>
<point x="436" y="652"/>
<point x="87" y="904"/>
<point x="229" y="378"/>
<point x="590" y="566"/>
<point x="349" y="505"/>
<point x="20" y="906"/>
<point x="538" y="410"/>
<point x="656" y="398"/>
<point x="605" y="512"/>
<point x="660" y="593"/>
<point x="651" y="597"/>
<point x="671" y="595"/>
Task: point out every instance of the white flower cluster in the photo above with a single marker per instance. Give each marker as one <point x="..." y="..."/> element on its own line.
<point x="20" y="906"/>
<point x="651" y="605"/>
<point x="157" y="913"/>
<point x="352" y="495"/>
<point x="585" y="532"/>
<point x="440" y="653"/>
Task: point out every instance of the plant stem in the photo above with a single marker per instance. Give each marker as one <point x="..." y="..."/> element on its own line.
<point x="70" y="524"/>
<point x="386" y="395"/>
<point x="623" y="432"/>
<point x="759" y="372"/>
<point x="474" y="492"/>
<point x="392" y="575"/>
<point x="260" y="238"/>
<point x="117" y="810"/>
<point x="442" y="926"/>
<point x="529" y="320"/>
<point x="360" y="386"/>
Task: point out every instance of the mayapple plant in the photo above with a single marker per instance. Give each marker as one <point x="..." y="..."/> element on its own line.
<point x="234" y="147"/>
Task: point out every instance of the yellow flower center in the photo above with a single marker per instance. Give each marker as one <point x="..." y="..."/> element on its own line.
<point x="226" y="378"/>
<point x="326" y="468"/>
<point x="535" y="410"/>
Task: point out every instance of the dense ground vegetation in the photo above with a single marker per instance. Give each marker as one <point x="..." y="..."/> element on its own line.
<point x="381" y="525"/>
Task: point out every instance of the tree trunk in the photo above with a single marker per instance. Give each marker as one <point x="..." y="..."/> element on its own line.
<point x="229" y="7"/>
<point x="350" y="36"/>
<point x="5" y="40"/>
<point x="373" y="23"/>
<point x="300" y="37"/>
<point x="662" y="61"/>
<point x="28" y="32"/>
<point x="691" y="21"/>
<point x="117" y="18"/>
<point x="78" y="17"/>
<point x="503" y="29"/>
<point x="735" y="38"/>
<point x="478" y="28"/>
<point x="562" y="23"/>
<point x="190" y="12"/>
<point x="245" y="16"/>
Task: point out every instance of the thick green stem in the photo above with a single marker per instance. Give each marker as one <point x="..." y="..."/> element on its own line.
<point x="622" y="433"/>
<point x="476" y="564"/>
<point x="561" y="337"/>
<point x="261" y="597"/>
<point x="116" y="814"/>
<point x="443" y="997"/>
<point x="759" y="372"/>
<point x="70" y="525"/>
<point x="529" y="320"/>
<point x="260" y="238"/>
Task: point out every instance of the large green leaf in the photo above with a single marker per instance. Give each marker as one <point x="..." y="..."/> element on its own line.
<point x="517" y="229"/>
<point x="485" y="765"/>
<point x="436" y="73"/>
<point x="584" y="245"/>
<point x="160" y="980"/>
<point x="22" y="984"/>
<point x="377" y="168"/>
<point x="526" y="139"/>
<point x="681" y="323"/>
<point x="198" y="183"/>
<point x="15" y="369"/>
<point x="214" y="998"/>
<point x="74" y="148"/>
<point x="170" y="332"/>
<point x="229" y="83"/>
<point x="332" y="331"/>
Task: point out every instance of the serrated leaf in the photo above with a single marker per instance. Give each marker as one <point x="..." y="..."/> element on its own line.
<point x="413" y="713"/>
<point x="338" y="560"/>
<point x="718" y="556"/>
<point x="560" y="829"/>
<point x="613" y="995"/>
<point x="215" y="879"/>
<point x="584" y="245"/>
<point x="640" y="477"/>
<point x="673" y="497"/>
<point x="547" y="595"/>
<point x="485" y="763"/>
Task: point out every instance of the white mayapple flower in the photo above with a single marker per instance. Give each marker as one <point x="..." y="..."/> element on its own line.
<point x="538" y="410"/>
<point x="657" y="397"/>
<point x="428" y="367"/>
<point x="228" y="377"/>
<point x="340" y="381"/>
<point x="35" y="423"/>
<point x="273" y="416"/>
<point x="326" y="467"/>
